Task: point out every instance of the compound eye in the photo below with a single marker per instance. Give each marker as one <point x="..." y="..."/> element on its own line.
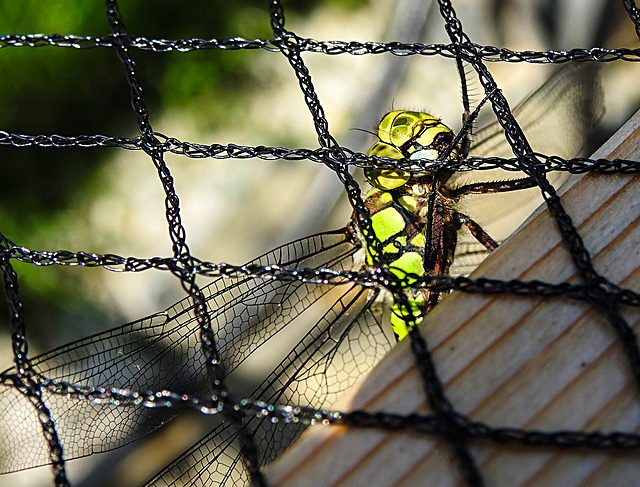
<point x="403" y="133"/>
<point x="382" y="149"/>
<point x="400" y="126"/>
<point x="402" y="129"/>
<point x="386" y="179"/>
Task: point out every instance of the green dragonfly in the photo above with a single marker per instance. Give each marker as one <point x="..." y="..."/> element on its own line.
<point x="336" y="333"/>
<point x="413" y="217"/>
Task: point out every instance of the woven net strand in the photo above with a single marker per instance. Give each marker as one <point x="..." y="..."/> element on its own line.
<point x="104" y="391"/>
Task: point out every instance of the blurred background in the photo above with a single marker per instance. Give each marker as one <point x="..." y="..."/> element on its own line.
<point x="111" y="201"/>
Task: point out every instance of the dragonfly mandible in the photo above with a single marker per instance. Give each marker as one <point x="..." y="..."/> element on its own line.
<point x="342" y="331"/>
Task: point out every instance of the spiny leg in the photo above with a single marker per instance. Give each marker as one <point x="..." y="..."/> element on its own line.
<point x="440" y="177"/>
<point x="492" y="187"/>
<point x="478" y="232"/>
<point x="466" y="115"/>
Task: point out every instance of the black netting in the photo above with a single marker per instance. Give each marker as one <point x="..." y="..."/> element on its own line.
<point x="112" y="388"/>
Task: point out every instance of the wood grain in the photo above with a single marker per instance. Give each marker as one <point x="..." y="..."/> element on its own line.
<point x="523" y="362"/>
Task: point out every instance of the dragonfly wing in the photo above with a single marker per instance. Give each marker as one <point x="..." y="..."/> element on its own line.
<point x="338" y="349"/>
<point x="557" y="120"/>
<point x="468" y="256"/>
<point x="161" y="352"/>
<point x="215" y="460"/>
<point x="341" y="347"/>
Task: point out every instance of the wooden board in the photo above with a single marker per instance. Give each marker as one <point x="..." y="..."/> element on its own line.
<point x="523" y="362"/>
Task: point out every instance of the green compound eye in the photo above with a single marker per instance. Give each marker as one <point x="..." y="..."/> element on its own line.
<point x="386" y="179"/>
<point x="404" y="134"/>
<point x="400" y="126"/>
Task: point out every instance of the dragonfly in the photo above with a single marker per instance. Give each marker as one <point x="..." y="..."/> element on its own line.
<point x="413" y="217"/>
<point x="336" y="333"/>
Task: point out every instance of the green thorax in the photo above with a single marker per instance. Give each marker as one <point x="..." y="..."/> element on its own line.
<point x="399" y="228"/>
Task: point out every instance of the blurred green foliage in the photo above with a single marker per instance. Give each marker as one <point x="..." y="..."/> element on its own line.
<point x="53" y="90"/>
<point x="66" y="91"/>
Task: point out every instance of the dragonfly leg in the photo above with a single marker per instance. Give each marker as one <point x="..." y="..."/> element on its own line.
<point x="478" y="232"/>
<point x="463" y="139"/>
<point x="493" y="187"/>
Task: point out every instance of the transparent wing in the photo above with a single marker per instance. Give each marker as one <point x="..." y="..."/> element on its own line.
<point x="163" y="352"/>
<point x="214" y="460"/>
<point x="557" y="120"/>
<point x="468" y="255"/>
<point x="338" y="349"/>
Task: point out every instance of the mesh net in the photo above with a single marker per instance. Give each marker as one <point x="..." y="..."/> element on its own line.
<point x="107" y="390"/>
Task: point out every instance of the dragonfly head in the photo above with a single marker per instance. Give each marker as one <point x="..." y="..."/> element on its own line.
<point x="410" y="135"/>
